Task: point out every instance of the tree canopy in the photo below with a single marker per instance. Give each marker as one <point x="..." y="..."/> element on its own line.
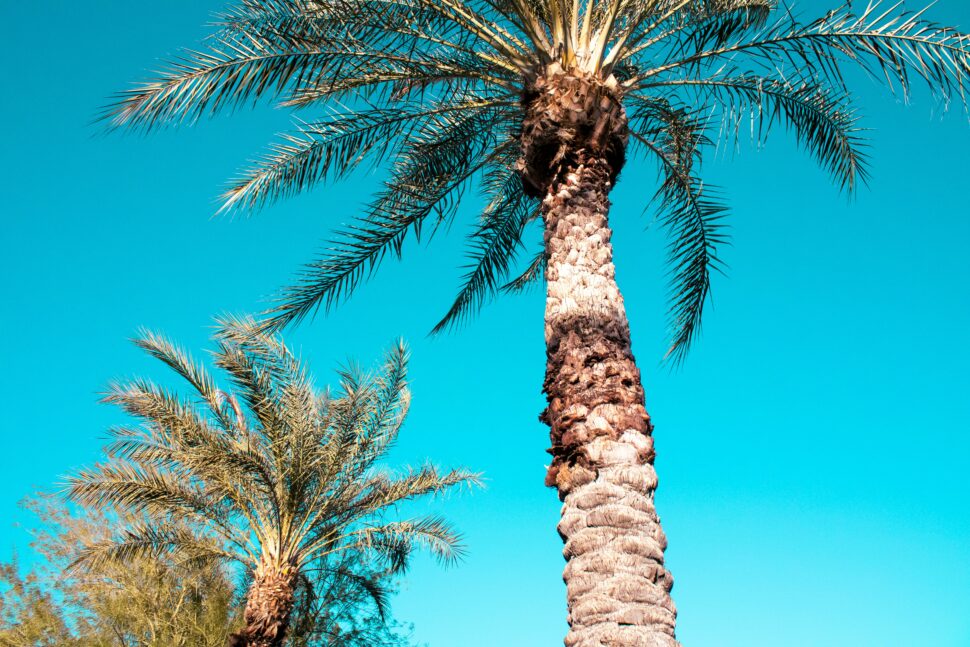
<point x="436" y="89"/>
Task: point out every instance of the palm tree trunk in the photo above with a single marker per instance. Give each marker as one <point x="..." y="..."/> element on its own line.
<point x="618" y="591"/>
<point x="268" y="606"/>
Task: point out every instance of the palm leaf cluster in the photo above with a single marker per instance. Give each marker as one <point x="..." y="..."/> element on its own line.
<point x="433" y="89"/>
<point x="268" y="468"/>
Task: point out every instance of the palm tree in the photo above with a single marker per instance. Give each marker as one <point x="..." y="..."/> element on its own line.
<point x="540" y="102"/>
<point x="279" y="477"/>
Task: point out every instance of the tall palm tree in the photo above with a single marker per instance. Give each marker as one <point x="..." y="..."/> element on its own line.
<point x="539" y="102"/>
<point x="281" y="478"/>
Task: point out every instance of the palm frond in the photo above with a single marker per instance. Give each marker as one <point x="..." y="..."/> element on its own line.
<point x="188" y="369"/>
<point x="691" y="214"/>
<point x="532" y="273"/>
<point x="141" y="488"/>
<point x="396" y="540"/>
<point x="386" y="411"/>
<point x="301" y="50"/>
<point x="687" y="25"/>
<point x="330" y="149"/>
<point x="173" y="418"/>
<point x="151" y="541"/>
<point x="427" y="181"/>
<point x="823" y="122"/>
<point x="494" y="243"/>
<point x="889" y="43"/>
<point x="198" y="83"/>
<point x="382" y="490"/>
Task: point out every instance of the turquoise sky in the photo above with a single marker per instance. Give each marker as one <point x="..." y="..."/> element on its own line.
<point x="813" y="452"/>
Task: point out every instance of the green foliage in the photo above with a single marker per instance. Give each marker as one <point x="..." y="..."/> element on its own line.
<point x="434" y="90"/>
<point x="28" y="614"/>
<point x="269" y="468"/>
<point x="146" y="602"/>
<point x="157" y="602"/>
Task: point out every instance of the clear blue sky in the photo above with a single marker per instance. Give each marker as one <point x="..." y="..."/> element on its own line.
<point x="813" y="453"/>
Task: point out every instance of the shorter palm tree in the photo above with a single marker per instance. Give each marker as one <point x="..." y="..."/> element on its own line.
<point x="275" y="475"/>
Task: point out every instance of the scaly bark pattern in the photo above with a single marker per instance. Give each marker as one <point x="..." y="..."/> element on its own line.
<point x="618" y="590"/>
<point x="268" y="606"/>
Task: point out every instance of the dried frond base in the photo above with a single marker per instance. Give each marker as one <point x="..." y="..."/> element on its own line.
<point x="569" y="111"/>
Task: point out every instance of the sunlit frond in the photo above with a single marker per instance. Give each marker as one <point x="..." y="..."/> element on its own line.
<point x="292" y="476"/>
<point x="886" y="42"/>
<point x="823" y="122"/>
<point x="152" y="541"/>
<point x="382" y="490"/>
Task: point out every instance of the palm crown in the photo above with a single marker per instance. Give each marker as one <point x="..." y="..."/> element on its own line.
<point x="271" y="474"/>
<point x="440" y="88"/>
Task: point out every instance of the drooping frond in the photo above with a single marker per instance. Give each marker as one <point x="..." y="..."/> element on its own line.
<point x="434" y="90"/>
<point x="494" y="242"/>
<point x="823" y="123"/>
<point x="690" y="211"/>
<point x="398" y="539"/>
<point x="427" y="181"/>
<point x="692" y="215"/>
<point x="533" y="273"/>
<point x="330" y="149"/>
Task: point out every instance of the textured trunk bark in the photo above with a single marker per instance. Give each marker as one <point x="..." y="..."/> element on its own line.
<point x="618" y="591"/>
<point x="268" y="606"/>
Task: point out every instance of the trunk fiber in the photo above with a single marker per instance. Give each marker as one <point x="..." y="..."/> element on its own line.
<point x="618" y="591"/>
<point x="268" y="607"/>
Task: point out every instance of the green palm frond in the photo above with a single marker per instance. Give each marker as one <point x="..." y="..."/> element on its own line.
<point x="886" y="42"/>
<point x="142" y="540"/>
<point x="494" y="243"/>
<point x="291" y="474"/>
<point x="330" y="149"/>
<point x="691" y="213"/>
<point x="532" y="273"/>
<point x="823" y="122"/>
<point x="426" y="182"/>
<point x="432" y="90"/>
<point x="396" y="540"/>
